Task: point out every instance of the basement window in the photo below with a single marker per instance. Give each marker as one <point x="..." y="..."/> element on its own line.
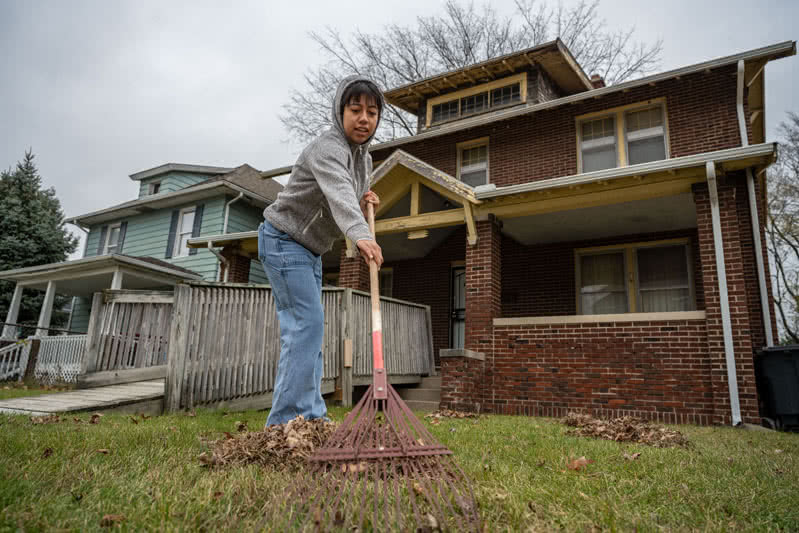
<point x="639" y="278"/>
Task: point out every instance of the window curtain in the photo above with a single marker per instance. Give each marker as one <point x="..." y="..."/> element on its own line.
<point x="602" y="287"/>
<point x="663" y="283"/>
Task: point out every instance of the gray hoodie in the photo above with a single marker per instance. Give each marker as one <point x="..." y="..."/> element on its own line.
<point x="322" y="197"/>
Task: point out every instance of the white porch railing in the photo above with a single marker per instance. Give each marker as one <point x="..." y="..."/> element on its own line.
<point x="59" y="358"/>
<point x="14" y="360"/>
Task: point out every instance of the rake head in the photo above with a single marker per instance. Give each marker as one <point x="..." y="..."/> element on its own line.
<point x="382" y="471"/>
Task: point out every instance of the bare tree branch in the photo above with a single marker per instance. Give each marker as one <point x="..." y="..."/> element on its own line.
<point x="460" y="35"/>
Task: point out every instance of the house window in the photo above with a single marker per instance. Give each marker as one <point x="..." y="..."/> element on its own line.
<point x="185" y="227"/>
<point x="646" y="137"/>
<point x="473" y="100"/>
<point x="386" y="282"/>
<point x="638" y="278"/>
<point x="473" y="162"/>
<point x="154" y="187"/>
<point x="112" y="239"/>
<point x="629" y="135"/>
<point x="598" y="144"/>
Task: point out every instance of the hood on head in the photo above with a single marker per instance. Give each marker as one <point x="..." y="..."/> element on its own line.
<point x="337" y="107"/>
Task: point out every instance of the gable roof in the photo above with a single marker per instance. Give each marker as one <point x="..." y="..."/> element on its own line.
<point x="553" y="57"/>
<point x="401" y="159"/>
<point x="178" y="167"/>
<point x="767" y="53"/>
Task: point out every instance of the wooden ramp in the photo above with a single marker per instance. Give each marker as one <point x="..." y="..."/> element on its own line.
<point x="137" y="397"/>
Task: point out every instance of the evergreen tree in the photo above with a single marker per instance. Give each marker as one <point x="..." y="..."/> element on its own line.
<point x="32" y="232"/>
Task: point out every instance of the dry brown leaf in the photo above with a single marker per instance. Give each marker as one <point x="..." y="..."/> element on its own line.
<point x="110" y="519"/>
<point x="632" y="457"/>
<point x="47" y="419"/>
<point x="218" y="494"/>
<point x="241" y="426"/>
<point x="47" y="453"/>
<point x="191" y="413"/>
<point x="133" y="419"/>
<point x="104" y="451"/>
<point x="578" y="464"/>
<point x="95" y="418"/>
<point x="624" y="429"/>
<point x="432" y="522"/>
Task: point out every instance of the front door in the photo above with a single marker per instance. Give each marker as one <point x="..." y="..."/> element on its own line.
<point x="457" y="320"/>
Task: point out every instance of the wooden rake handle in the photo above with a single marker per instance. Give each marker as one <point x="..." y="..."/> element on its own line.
<point x="379" y="382"/>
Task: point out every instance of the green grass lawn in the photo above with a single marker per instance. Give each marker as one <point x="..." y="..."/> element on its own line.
<point x="53" y="477"/>
<point x="19" y="389"/>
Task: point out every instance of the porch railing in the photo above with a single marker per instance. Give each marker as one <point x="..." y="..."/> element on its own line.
<point x="14" y="360"/>
<point x="59" y="358"/>
<point x="225" y="341"/>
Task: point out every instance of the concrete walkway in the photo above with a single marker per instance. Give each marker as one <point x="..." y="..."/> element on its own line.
<point x="138" y="397"/>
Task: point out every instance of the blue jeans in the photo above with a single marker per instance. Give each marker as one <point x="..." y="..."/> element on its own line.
<point x="295" y="274"/>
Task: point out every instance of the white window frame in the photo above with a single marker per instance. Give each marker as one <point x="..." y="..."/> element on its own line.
<point x="117" y="226"/>
<point x="474" y="143"/>
<point x="631" y="269"/>
<point x="620" y="134"/>
<point x="152" y="185"/>
<point x="594" y="143"/>
<point x="520" y="79"/>
<point x="648" y="133"/>
<point x="178" y="235"/>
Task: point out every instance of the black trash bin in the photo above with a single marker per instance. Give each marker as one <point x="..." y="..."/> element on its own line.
<point x="777" y="373"/>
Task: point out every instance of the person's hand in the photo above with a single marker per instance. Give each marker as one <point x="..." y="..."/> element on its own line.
<point x="370" y="251"/>
<point x="369" y="198"/>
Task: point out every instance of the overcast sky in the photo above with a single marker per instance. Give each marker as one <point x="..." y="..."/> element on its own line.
<point x="102" y="89"/>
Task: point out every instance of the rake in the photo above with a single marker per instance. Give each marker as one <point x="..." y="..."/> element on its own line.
<point x="381" y="470"/>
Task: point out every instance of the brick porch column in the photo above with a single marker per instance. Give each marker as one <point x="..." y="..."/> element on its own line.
<point x="353" y="272"/>
<point x="238" y="267"/>
<point x="483" y="285"/>
<point x="739" y="314"/>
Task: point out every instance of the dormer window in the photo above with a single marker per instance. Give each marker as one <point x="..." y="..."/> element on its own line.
<point x="479" y="99"/>
<point x="154" y="187"/>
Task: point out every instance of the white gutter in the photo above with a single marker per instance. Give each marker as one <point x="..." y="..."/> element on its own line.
<point x="219" y="256"/>
<point x="697" y="160"/>
<point x="227" y="210"/>
<point x="755" y="219"/>
<point x="721" y="273"/>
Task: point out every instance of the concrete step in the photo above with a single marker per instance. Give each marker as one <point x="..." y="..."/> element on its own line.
<point x="416" y="405"/>
<point x="420" y="394"/>
<point x="430" y="382"/>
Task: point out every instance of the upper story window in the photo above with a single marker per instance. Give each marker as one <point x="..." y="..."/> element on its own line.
<point x="481" y="98"/>
<point x="624" y="136"/>
<point x="112" y="239"/>
<point x="473" y="162"/>
<point x="185" y="228"/>
<point x="154" y="187"/>
<point x="640" y="278"/>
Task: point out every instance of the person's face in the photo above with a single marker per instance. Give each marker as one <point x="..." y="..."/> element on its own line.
<point x="360" y="118"/>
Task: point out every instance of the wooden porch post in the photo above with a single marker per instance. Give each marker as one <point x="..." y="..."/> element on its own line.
<point x="93" y="335"/>
<point x="116" y="281"/>
<point x="47" y="310"/>
<point x="9" y="332"/>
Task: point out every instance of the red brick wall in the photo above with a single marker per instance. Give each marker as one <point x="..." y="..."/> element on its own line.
<point x="701" y="116"/>
<point x="738" y="301"/>
<point x="483" y="285"/>
<point x="539" y="280"/>
<point x="238" y="267"/>
<point x="657" y="370"/>
<point x="353" y="272"/>
<point x="462" y="383"/>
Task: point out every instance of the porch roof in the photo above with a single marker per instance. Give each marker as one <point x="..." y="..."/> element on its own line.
<point x="83" y="277"/>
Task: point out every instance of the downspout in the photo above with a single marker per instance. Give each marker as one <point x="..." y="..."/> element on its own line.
<point x="726" y="323"/>
<point x="227" y="210"/>
<point x="219" y="256"/>
<point x="750" y="185"/>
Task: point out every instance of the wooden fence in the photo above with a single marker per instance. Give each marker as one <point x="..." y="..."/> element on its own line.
<point x="127" y="330"/>
<point x="225" y="341"/>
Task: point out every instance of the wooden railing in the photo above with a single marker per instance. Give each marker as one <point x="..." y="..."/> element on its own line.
<point x="225" y="341"/>
<point x="128" y="329"/>
<point x="59" y="358"/>
<point x="14" y="360"/>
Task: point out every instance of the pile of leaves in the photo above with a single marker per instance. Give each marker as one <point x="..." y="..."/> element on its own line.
<point x="624" y="429"/>
<point x="435" y="418"/>
<point x="285" y="446"/>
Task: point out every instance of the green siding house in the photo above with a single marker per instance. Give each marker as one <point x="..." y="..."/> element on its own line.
<point x="142" y="243"/>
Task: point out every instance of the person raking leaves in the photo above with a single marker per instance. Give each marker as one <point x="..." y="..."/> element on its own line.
<point x="326" y="196"/>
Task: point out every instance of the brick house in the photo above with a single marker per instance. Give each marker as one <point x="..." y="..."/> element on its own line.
<point x="568" y="236"/>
